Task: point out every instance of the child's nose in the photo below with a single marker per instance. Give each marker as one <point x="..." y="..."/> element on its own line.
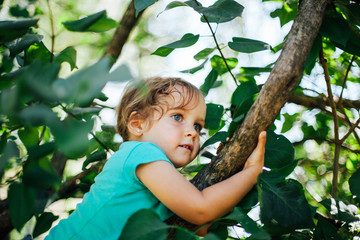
<point x="190" y="131"/>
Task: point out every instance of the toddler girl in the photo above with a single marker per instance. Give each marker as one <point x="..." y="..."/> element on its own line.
<point x="160" y="121"/>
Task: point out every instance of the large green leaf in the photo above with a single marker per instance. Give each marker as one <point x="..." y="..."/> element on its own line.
<point x="336" y="28"/>
<point x="279" y="153"/>
<point x="10" y="150"/>
<point x="246" y="45"/>
<point x="29" y="136"/>
<point x="341" y="210"/>
<point x="97" y="22"/>
<point x="144" y="225"/>
<point x="67" y="55"/>
<point x="283" y="204"/>
<point x="217" y="137"/>
<point x="209" y="82"/>
<point x="37" y="52"/>
<point x="287" y="13"/>
<point x="221" y="11"/>
<point x="243" y="92"/>
<point x="21" y="44"/>
<point x="37" y="115"/>
<point x="84" y="85"/>
<point x="94" y="157"/>
<point x="121" y="74"/>
<point x="354" y="183"/>
<point x="10" y="30"/>
<point x="350" y="10"/>
<point x="141" y="5"/>
<point x="44" y="223"/>
<point x="214" y="113"/>
<point x="21" y="204"/>
<point x="187" y="40"/>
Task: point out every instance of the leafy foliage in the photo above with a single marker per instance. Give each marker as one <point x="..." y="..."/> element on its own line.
<point x="48" y="118"/>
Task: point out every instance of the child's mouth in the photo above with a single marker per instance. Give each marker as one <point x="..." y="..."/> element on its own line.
<point x="188" y="147"/>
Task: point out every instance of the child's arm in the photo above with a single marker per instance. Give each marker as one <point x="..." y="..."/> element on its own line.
<point x="200" y="207"/>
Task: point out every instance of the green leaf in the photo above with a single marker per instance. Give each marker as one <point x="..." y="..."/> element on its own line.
<point x="37" y="51"/>
<point x="145" y="224"/>
<point x="204" y="53"/>
<point x="187" y="40"/>
<point x="350" y="10"/>
<point x="209" y="82"/>
<point x="195" y="69"/>
<point x="289" y="121"/>
<point x="121" y="74"/>
<point x="44" y="223"/>
<point x="37" y="115"/>
<point x="221" y="11"/>
<point x="218" y="64"/>
<point x="214" y="113"/>
<point x="341" y="210"/>
<point x="29" y="136"/>
<point x="38" y="79"/>
<point x="336" y="28"/>
<point x="246" y="45"/>
<point x="10" y="30"/>
<point x="84" y="85"/>
<point x="37" y="152"/>
<point x="354" y="183"/>
<point x="71" y="137"/>
<point x="313" y="55"/>
<point x="85" y="112"/>
<point x="94" y="157"/>
<point x="67" y="55"/>
<point x="253" y="71"/>
<point x="141" y="5"/>
<point x="21" y="204"/>
<point x="40" y="174"/>
<point x="217" y="137"/>
<point x="10" y="151"/>
<point x="286" y="14"/>
<point x="97" y="22"/>
<point x="21" y="44"/>
<point x="279" y="153"/>
<point x="243" y="92"/>
<point x="326" y="230"/>
<point x="283" y="204"/>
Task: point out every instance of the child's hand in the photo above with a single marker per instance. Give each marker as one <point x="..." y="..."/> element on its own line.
<point x="256" y="159"/>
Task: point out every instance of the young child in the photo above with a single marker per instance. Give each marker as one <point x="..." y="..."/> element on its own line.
<point x="160" y="122"/>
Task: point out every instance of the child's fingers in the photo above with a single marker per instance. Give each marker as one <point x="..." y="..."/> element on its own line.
<point x="262" y="140"/>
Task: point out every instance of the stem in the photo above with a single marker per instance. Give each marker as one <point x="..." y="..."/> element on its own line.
<point x="336" y="124"/>
<point x="218" y="46"/>
<point x="51" y="16"/>
<point x="345" y="78"/>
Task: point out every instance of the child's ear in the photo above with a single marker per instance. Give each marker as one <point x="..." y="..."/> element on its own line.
<point x="136" y="124"/>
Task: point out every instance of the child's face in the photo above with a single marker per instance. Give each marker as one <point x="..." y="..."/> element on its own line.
<point x="176" y="132"/>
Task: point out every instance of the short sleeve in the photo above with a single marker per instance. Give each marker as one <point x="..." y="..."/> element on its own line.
<point x="143" y="153"/>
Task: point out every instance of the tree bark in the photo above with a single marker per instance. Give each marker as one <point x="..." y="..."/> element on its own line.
<point x="122" y="33"/>
<point x="285" y="75"/>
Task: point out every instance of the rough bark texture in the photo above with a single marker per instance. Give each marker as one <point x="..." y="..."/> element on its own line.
<point x="122" y="33"/>
<point x="285" y="75"/>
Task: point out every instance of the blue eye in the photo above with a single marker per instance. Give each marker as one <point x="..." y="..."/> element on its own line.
<point x="177" y="117"/>
<point x="197" y="127"/>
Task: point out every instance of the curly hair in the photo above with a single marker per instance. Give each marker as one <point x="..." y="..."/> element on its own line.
<point x="145" y="97"/>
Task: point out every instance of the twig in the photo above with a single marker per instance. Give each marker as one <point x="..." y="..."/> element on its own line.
<point x="336" y="124"/>
<point x="218" y="46"/>
<point x="345" y="78"/>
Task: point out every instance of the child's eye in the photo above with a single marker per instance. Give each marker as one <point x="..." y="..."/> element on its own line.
<point x="177" y="117"/>
<point x="197" y="127"/>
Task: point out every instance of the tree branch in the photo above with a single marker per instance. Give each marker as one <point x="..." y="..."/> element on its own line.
<point x="285" y="75"/>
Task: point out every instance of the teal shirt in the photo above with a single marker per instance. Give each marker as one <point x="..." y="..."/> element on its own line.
<point x="116" y="194"/>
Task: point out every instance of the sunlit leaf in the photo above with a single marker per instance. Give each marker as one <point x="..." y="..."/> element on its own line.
<point x="218" y="64"/>
<point x="29" y="136"/>
<point x="10" y="150"/>
<point x="187" y="40"/>
<point x="36" y="52"/>
<point x="97" y="22"/>
<point x="203" y="53"/>
<point x="286" y="14"/>
<point x="10" y="30"/>
<point x="283" y="204"/>
<point x="253" y="71"/>
<point x="21" y="204"/>
<point x="335" y="27"/>
<point x="246" y="45"/>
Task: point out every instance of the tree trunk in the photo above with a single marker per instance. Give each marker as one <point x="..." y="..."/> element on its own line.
<point x="285" y="75"/>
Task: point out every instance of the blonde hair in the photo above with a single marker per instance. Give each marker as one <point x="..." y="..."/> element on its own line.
<point x="145" y="97"/>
